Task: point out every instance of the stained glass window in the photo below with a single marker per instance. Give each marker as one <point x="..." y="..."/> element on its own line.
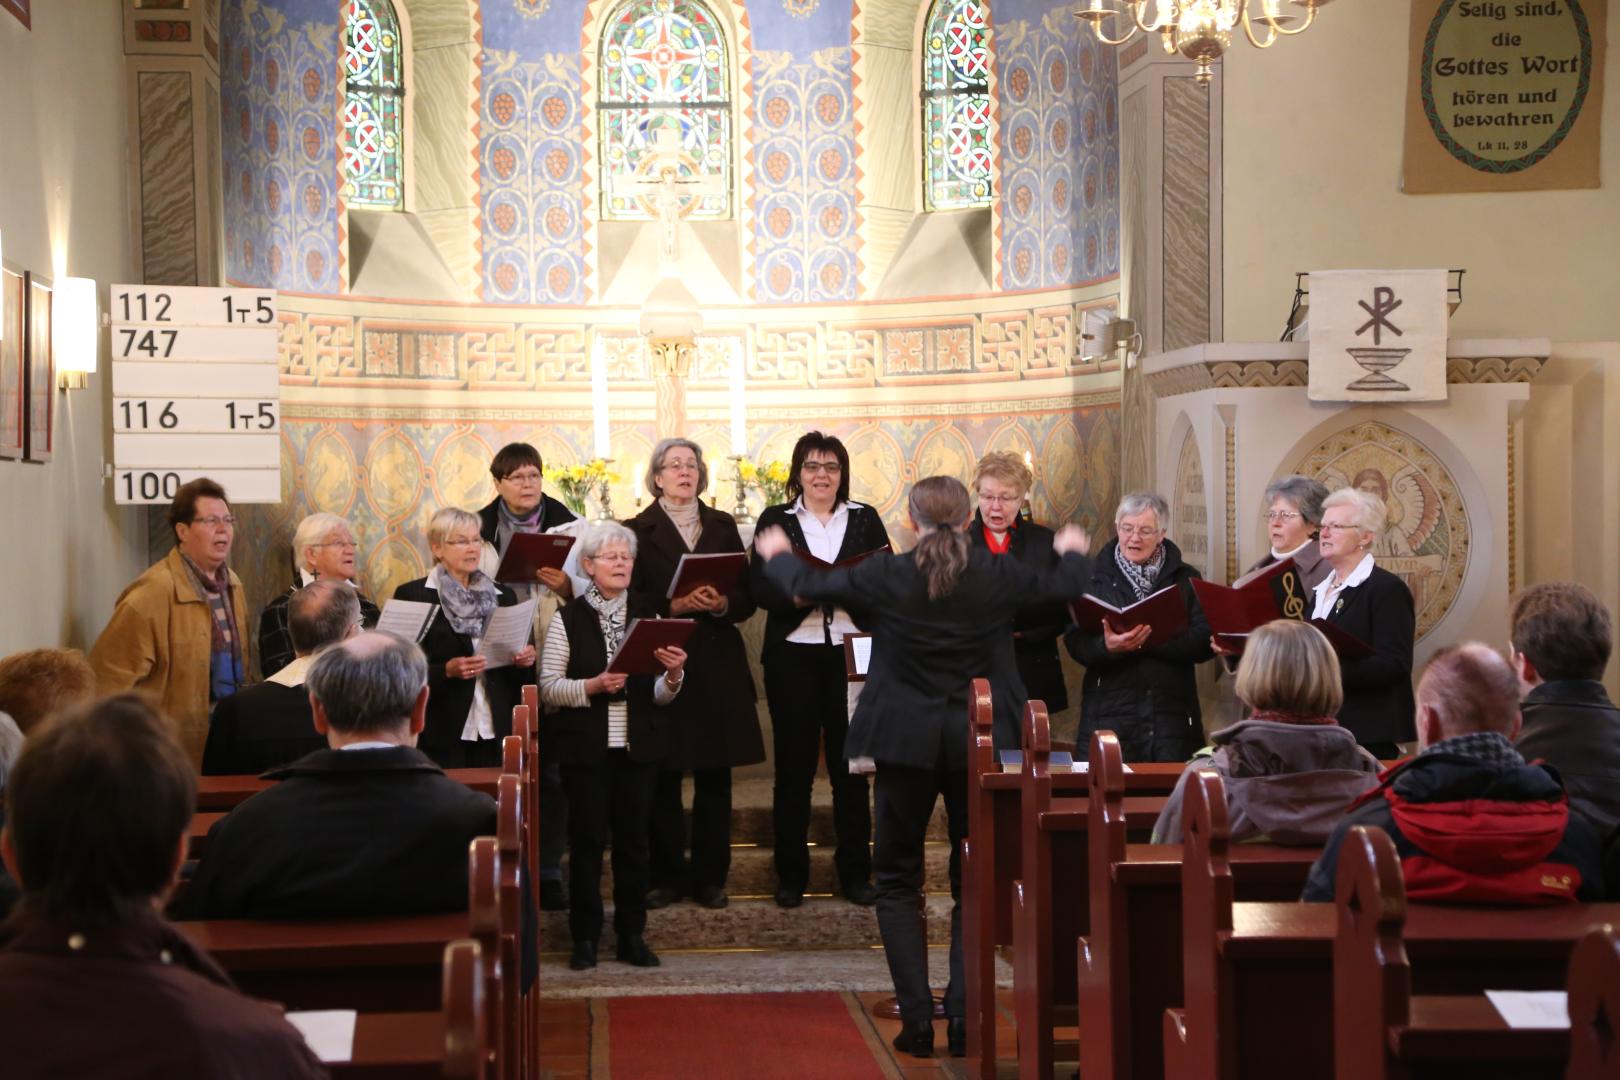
<point x="956" y="105"/>
<point x="664" y="65"/>
<point x="373" y="106"/>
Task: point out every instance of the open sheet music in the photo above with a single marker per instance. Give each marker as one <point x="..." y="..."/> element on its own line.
<point x="1165" y="611"/>
<point x="506" y="633"/>
<point x="408" y="619"/>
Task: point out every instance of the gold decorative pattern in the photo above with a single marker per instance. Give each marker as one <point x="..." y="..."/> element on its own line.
<point x="1513" y="508"/>
<point x="1494" y="369"/>
<point x="1231" y="504"/>
<point x="1227" y="374"/>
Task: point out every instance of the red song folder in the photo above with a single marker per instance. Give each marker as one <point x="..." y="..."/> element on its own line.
<point x="1275" y="592"/>
<point x="853" y="560"/>
<point x="1165" y="611"/>
<point x="1346" y="644"/>
<point x="694" y="571"/>
<point x="529" y="552"/>
<point x="634" y="656"/>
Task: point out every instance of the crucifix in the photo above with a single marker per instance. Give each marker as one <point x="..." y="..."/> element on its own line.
<point x="667" y="184"/>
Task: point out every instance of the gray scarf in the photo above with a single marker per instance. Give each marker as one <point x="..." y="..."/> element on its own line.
<point x="686" y="520"/>
<point x="611" y="615"/>
<point x="468" y="606"/>
<point x="1141" y="577"/>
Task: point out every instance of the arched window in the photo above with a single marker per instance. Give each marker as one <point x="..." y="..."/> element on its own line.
<point x="956" y="105"/>
<point x="664" y="61"/>
<point x="373" y="106"/>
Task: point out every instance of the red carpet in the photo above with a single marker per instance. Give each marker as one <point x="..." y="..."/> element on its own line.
<point x="736" y="1037"/>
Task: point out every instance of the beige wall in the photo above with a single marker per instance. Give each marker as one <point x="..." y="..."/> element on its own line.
<point x="64" y="210"/>
<point x="1313" y="134"/>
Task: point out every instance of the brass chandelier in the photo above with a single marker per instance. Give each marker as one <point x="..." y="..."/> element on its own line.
<point x="1200" y="30"/>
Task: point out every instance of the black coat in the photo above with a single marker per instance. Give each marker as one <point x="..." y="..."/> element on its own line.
<point x="714" y="723"/>
<point x="275" y="640"/>
<point x="345" y="832"/>
<point x="1149" y="698"/>
<point x="1036" y="627"/>
<point x="1572" y="726"/>
<point x="260" y="728"/>
<point x="1378" y="703"/>
<point x="863" y="532"/>
<point x="580" y="736"/>
<point x="913" y="709"/>
<point x="450" y="700"/>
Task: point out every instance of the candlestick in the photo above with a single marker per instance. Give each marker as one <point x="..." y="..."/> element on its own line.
<point x="740" y="512"/>
<point x="599" y="402"/>
<point x="604" y="497"/>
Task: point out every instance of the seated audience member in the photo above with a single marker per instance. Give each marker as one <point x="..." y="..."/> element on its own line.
<point x="37" y="684"/>
<point x="323" y="550"/>
<point x="93" y="983"/>
<point x="1562" y="635"/>
<point x="369" y="826"/>
<point x="271" y="723"/>
<point x="1471" y="821"/>
<point x="11" y="744"/>
<point x="1290" y="770"/>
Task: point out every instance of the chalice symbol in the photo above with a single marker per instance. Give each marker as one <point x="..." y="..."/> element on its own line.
<point x="1378" y="358"/>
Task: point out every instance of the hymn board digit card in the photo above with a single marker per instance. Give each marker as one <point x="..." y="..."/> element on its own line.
<point x="195" y="392"/>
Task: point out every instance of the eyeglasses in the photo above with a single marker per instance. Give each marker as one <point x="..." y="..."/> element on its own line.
<point x="528" y="476"/>
<point x="679" y="466"/>
<point x="346" y="545"/>
<point x="1145" y="532"/>
<point x="1276" y="516"/>
<point x="619" y="556"/>
<point x="1001" y="500"/>
<point x="214" y="521"/>
<point x="464" y="542"/>
<point x="831" y="468"/>
<point x="1328" y="526"/>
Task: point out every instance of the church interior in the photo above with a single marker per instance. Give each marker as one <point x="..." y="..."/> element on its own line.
<point x="935" y="229"/>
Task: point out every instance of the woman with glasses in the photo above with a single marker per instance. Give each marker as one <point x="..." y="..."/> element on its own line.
<point x="1002" y="482"/>
<point x="805" y="682"/>
<point x="1147" y="695"/>
<point x="323" y="549"/>
<point x="1372" y="604"/>
<point x="469" y="707"/>
<point x="714" y="725"/>
<point x="1294" y="512"/>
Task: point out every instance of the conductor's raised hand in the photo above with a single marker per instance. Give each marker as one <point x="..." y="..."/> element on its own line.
<point x="1071" y="538"/>
<point x="673" y="657"/>
<point x="609" y="682"/>
<point x="1127" y="642"/>
<point x="772" y="542"/>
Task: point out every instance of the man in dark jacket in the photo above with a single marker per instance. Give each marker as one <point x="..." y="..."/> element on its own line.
<point x="1562" y="635"/>
<point x="271" y="723"/>
<point x="369" y="826"/>
<point x="1471" y="821"/>
<point x="93" y="984"/>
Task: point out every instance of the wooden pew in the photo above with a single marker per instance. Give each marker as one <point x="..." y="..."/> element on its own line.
<point x="1594" y="1006"/>
<point x="992" y="861"/>
<point x="1382" y="1031"/>
<point x="452" y="1043"/>
<point x="1257" y="977"/>
<point x="1129" y="963"/>
<point x="466" y="1026"/>
<point x="221" y="793"/>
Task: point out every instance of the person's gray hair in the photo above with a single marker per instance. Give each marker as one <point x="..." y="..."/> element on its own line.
<point x="1138" y="501"/>
<point x="11" y="744"/>
<point x="445" y="521"/>
<point x="1370" y="510"/>
<point x="1302" y="493"/>
<point x="311" y="532"/>
<point x="369" y="682"/>
<point x="656" y="462"/>
<point x="603" y="534"/>
<point x="320" y="614"/>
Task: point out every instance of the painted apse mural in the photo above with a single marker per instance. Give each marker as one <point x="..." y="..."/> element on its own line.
<point x="392" y="408"/>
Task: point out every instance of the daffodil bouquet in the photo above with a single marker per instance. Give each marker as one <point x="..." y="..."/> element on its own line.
<point x="574" y="483"/>
<point x="769" y="478"/>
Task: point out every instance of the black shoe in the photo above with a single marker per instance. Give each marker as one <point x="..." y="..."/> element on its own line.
<point x="633" y="950"/>
<point x="584" y="956"/>
<point x="712" y="896"/>
<point x="956" y="1035"/>
<point x="916" y="1039"/>
<point x="863" y="893"/>
<point x="789" y="897"/>
<point x="661" y="897"/>
<point x="553" y="897"/>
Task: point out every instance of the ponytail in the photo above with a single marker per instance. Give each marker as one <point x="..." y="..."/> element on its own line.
<point x="939" y="504"/>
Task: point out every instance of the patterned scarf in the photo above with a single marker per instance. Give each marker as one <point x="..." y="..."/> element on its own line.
<point x="1141" y="577"/>
<point x="610" y="613"/>
<point x="1489" y="747"/>
<point x="468" y="606"/>
<point x="686" y="520"/>
<point x="225" y="658"/>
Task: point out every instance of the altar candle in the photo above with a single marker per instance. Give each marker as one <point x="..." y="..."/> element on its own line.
<point x="739" y="410"/>
<point x="599" y="402"/>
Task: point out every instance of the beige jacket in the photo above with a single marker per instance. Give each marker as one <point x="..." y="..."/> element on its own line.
<point x="158" y="641"/>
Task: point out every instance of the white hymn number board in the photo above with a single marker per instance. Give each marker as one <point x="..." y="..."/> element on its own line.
<point x="195" y="391"/>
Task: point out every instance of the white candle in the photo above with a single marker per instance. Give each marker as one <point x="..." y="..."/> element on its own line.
<point x="739" y="410"/>
<point x="599" y="402"/>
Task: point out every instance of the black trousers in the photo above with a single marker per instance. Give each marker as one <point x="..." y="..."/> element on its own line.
<point x="903" y="800"/>
<point x="808" y="694"/>
<point x="711" y="831"/>
<point x="554" y="822"/>
<point x="610" y="798"/>
<point x="467" y="754"/>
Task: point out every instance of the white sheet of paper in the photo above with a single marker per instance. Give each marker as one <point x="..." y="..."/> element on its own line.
<point x="507" y="632"/>
<point x="406" y="618"/>
<point x="329" y="1032"/>
<point x="863" y="653"/>
<point x="1531" y="1008"/>
<point x="1085" y="766"/>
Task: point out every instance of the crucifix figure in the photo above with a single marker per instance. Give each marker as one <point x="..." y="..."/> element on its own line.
<point x="664" y="190"/>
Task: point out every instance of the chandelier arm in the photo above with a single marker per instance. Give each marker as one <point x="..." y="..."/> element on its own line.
<point x="1276" y="31"/>
<point x="1138" y="7"/>
<point x="1096" y="28"/>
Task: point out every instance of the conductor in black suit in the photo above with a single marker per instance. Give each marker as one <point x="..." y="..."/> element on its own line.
<point x="469" y="707"/>
<point x="1372" y="604"/>
<point x="803" y="656"/>
<point x="271" y="723"/>
<point x="941" y="616"/>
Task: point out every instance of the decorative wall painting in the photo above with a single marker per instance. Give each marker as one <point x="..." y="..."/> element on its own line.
<point x="39" y="374"/>
<point x="11" y="365"/>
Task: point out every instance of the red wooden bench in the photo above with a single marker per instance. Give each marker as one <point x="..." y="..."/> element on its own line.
<point x="1594" y="1007"/>
<point x="452" y="1043"/>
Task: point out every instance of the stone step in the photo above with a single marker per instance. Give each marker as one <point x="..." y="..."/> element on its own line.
<point x="822" y="923"/>
<point x="753" y="871"/>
